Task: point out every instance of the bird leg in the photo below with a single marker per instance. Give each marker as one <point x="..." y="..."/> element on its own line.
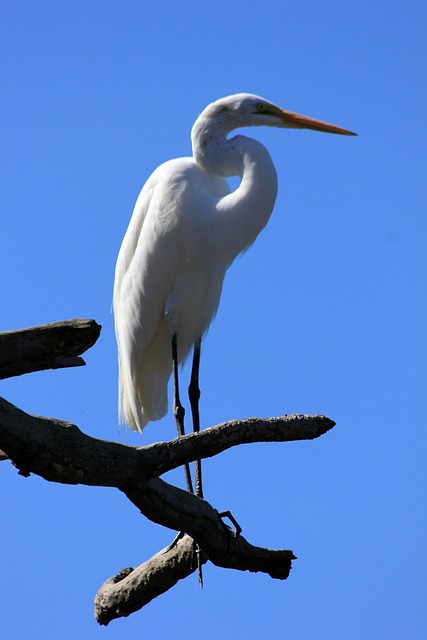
<point x="194" y="395"/>
<point x="178" y="409"/>
<point x="179" y="413"/>
<point x="228" y="530"/>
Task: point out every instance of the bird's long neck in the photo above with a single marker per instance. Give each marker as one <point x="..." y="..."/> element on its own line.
<point x="244" y="212"/>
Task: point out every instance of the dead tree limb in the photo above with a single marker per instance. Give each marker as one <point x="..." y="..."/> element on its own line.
<point x="47" y="346"/>
<point x="131" y="589"/>
<point x="60" y="452"/>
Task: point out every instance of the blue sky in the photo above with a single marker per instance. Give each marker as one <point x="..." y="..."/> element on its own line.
<point x="325" y="314"/>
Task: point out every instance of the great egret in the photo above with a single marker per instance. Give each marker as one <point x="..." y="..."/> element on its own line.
<point x="186" y="229"/>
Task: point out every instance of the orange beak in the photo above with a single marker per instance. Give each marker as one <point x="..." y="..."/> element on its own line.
<point x="296" y="121"/>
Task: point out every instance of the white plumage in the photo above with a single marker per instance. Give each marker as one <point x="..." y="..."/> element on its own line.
<point x="186" y="230"/>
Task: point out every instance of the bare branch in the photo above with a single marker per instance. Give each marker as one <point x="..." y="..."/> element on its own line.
<point x="47" y="346"/>
<point x="182" y="511"/>
<point x="164" y="456"/>
<point x="60" y="452"/>
<point x="131" y="589"/>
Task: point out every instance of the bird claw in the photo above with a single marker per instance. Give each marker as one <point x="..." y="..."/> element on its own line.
<point x="174" y="542"/>
<point x="196" y="562"/>
<point x="238" y="529"/>
<point x="195" y="557"/>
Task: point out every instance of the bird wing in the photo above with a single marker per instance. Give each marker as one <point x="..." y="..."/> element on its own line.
<point x="156" y="281"/>
<point x="145" y="269"/>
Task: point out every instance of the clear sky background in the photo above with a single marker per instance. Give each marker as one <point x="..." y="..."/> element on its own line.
<point x="325" y="314"/>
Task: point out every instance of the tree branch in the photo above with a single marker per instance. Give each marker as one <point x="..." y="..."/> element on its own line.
<point x="161" y="457"/>
<point x="47" y="346"/>
<point x="131" y="589"/>
<point x="58" y="451"/>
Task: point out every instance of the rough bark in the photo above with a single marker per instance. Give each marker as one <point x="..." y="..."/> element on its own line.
<point x="131" y="589"/>
<point x="60" y="452"/>
<point x="47" y="346"/>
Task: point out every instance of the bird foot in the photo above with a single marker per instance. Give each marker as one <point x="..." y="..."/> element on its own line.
<point x="195" y="560"/>
<point x="175" y="541"/>
<point x="233" y="532"/>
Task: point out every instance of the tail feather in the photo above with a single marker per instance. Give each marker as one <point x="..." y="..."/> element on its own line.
<point x="143" y="391"/>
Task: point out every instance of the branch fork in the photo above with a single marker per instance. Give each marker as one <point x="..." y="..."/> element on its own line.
<point x="60" y="452"/>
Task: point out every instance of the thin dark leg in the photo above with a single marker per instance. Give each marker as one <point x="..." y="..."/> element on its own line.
<point x="194" y="395"/>
<point x="178" y="409"/>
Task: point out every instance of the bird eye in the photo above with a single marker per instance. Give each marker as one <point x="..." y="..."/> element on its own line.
<point x="260" y="106"/>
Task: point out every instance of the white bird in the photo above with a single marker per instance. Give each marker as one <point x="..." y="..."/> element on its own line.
<point x="186" y="229"/>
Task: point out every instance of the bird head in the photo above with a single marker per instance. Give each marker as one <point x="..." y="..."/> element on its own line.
<point x="245" y="109"/>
